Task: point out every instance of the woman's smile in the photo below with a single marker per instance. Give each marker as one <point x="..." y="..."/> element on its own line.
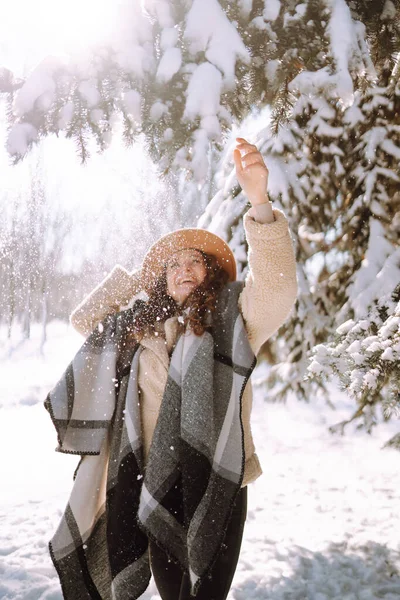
<point x="186" y="270"/>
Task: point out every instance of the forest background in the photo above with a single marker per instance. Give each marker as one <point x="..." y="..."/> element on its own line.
<point x="163" y="94"/>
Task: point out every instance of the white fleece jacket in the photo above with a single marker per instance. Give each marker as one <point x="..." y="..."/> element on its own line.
<point x="265" y="302"/>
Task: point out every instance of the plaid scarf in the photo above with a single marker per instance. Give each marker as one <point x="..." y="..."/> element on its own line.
<point x="183" y="499"/>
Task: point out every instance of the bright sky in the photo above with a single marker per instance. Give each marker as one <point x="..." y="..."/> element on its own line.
<point x="31" y="30"/>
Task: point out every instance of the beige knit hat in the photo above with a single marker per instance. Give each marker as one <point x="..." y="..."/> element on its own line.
<point x="182" y="239"/>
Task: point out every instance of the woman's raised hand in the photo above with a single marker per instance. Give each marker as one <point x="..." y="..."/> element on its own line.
<point x="251" y="171"/>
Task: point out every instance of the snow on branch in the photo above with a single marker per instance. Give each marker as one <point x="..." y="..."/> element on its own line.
<point x="342" y="35"/>
<point x="209" y="30"/>
<point x="184" y="73"/>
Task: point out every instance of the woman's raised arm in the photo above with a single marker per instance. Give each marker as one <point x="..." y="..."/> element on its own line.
<point x="271" y="287"/>
<point x="114" y="291"/>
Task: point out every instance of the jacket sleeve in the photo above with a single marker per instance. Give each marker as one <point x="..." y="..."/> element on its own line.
<point x="270" y="287"/>
<point x="114" y="291"/>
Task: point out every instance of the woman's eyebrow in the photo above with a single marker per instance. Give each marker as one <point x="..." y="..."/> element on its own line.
<point x="193" y="255"/>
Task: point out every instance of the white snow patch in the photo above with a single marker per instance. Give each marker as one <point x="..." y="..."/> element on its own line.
<point x="169" y="37"/>
<point x="66" y="115"/>
<point x="353" y="115"/>
<point x="20" y="137"/>
<point x="170" y="64"/>
<point x="389" y="11"/>
<point x="311" y="82"/>
<point x="211" y="126"/>
<point x="322" y="521"/>
<point x="271" y="9"/>
<point x="168" y="134"/>
<point x="39" y="85"/>
<point x="96" y="115"/>
<point x="379" y="269"/>
<point x="342" y="35"/>
<point x="245" y="7"/>
<point x="133" y="58"/>
<point x="301" y="9"/>
<point x="132" y="102"/>
<point x="209" y="30"/>
<point x="345" y="327"/>
<point x="201" y="146"/>
<point x="203" y="92"/>
<point x="271" y="68"/>
<point x="89" y="93"/>
<point x="157" y="110"/>
<point x="161" y="9"/>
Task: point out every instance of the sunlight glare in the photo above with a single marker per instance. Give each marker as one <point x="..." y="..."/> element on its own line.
<point x="61" y="26"/>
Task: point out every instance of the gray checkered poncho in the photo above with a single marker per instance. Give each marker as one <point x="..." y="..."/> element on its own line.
<point x="183" y="498"/>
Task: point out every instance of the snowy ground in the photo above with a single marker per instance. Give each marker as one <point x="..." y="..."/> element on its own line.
<point x="323" y="522"/>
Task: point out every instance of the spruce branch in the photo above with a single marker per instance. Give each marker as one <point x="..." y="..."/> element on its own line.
<point x="395" y="76"/>
<point x="282" y="109"/>
<point x="8" y="83"/>
<point x="340" y="427"/>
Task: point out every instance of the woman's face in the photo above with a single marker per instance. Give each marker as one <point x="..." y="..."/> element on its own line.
<point x="186" y="270"/>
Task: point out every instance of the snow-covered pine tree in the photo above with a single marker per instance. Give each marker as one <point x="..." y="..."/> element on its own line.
<point x="304" y="161"/>
<point x="365" y="352"/>
<point x="182" y="73"/>
<point x="335" y="169"/>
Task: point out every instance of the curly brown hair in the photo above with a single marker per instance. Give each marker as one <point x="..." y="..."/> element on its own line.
<point x="197" y="309"/>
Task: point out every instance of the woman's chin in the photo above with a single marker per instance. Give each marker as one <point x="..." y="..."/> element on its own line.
<point x="182" y="295"/>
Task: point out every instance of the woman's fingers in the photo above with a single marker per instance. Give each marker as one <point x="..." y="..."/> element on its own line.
<point x="246" y="157"/>
<point x="251" y="158"/>
<point x="243" y="161"/>
<point x="251" y="171"/>
<point x="240" y="140"/>
<point x="237" y="157"/>
<point x="249" y="152"/>
<point x="247" y="148"/>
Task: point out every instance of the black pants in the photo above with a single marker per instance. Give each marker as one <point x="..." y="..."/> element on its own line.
<point x="173" y="584"/>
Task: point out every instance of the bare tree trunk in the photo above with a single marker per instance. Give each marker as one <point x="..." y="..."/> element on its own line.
<point x="11" y="302"/>
<point x="45" y="306"/>
<point x="26" y="323"/>
<point x="11" y="315"/>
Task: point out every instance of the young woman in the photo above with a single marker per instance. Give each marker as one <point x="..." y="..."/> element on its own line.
<point x="158" y="401"/>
